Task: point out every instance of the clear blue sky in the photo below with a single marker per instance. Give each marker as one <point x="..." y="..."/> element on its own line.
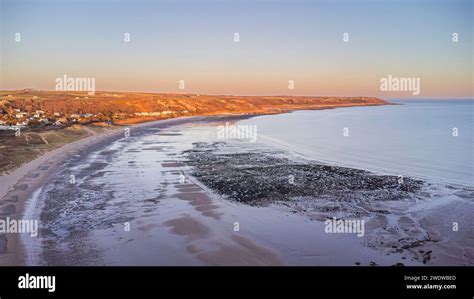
<point x="279" y="41"/>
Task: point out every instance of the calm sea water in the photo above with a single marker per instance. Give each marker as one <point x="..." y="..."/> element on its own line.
<point x="415" y="138"/>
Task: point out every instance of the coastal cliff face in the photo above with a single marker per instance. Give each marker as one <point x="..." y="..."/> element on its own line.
<point x="190" y="104"/>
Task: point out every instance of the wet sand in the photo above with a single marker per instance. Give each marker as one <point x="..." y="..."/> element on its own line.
<point x="52" y="249"/>
<point x="18" y="185"/>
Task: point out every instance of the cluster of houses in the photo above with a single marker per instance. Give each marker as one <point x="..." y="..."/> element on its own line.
<point x="12" y="117"/>
<point x="19" y="118"/>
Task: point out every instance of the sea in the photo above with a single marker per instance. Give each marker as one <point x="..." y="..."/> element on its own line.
<point x="427" y="139"/>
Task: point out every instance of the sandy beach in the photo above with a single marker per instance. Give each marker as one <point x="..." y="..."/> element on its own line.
<point x="153" y="198"/>
<point x="18" y="185"/>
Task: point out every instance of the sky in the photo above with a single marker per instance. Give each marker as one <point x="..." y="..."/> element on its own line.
<point x="279" y="41"/>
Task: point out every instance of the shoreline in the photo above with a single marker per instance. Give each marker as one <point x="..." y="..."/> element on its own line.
<point x="33" y="182"/>
<point x="10" y="177"/>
